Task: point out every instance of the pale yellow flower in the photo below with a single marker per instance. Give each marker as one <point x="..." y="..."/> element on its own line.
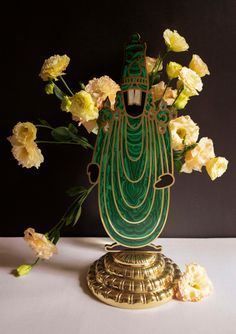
<point x="24" y="132"/>
<point x="191" y="81"/>
<point x="196" y="158"/>
<point x="42" y="247"/>
<point x="53" y="67"/>
<point x="194" y="284"/>
<point x="158" y="91"/>
<point x="101" y="88"/>
<point x="24" y="149"/>
<point x="183" y="131"/>
<point x="24" y="269"/>
<point x="216" y="167"/>
<point x="174" y="41"/>
<point x="28" y="155"/>
<point x="182" y="100"/>
<point x="198" y="66"/>
<point x="173" y="69"/>
<point x="151" y="62"/>
<point x="82" y="107"/>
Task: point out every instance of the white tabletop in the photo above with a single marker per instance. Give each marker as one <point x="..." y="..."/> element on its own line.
<point x="54" y="297"/>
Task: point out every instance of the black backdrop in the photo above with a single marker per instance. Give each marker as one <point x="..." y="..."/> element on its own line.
<point x="93" y="35"/>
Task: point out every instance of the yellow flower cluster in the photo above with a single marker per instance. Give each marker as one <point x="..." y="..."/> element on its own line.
<point x="194" y="284"/>
<point x="24" y="148"/>
<point x="184" y="132"/>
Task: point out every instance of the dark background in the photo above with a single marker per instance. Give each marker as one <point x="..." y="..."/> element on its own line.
<point x="93" y="35"/>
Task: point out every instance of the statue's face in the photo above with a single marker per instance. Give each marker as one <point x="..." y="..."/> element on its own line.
<point x="134" y="101"/>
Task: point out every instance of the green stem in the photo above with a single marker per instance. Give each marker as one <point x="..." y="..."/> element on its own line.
<point x="44" y="126"/>
<point x="167" y="85"/>
<point x="37" y="260"/>
<point x="158" y="63"/>
<point x="55" y="142"/>
<point x="64" y="82"/>
<point x="177" y="96"/>
<point x="60" y="224"/>
<point x="63" y="142"/>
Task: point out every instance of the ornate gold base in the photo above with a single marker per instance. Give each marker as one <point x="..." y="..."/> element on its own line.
<point x="133" y="279"/>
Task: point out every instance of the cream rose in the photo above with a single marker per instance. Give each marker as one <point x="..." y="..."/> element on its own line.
<point x="197" y="65"/>
<point x="28" y="155"/>
<point x="24" y="149"/>
<point x="216" y="167"/>
<point x="174" y="41"/>
<point x="54" y="67"/>
<point x="101" y="88"/>
<point x="198" y="157"/>
<point x="158" y="91"/>
<point x="82" y="107"/>
<point x="42" y="247"/>
<point x="173" y="69"/>
<point x="24" y="132"/>
<point x="151" y="62"/>
<point x="191" y="81"/>
<point x="194" y="284"/>
<point x="183" y="131"/>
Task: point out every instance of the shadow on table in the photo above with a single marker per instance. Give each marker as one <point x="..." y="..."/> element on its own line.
<point x="9" y="257"/>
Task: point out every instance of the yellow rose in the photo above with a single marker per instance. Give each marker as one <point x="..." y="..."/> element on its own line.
<point x="194" y="284"/>
<point x="191" y="81"/>
<point x="158" y="91"/>
<point x="216" y="167"/>
<point x="174" y="41"/>
<point x="151" y="62"/>
<point x="24" y="132"/>
<point x="42" y="247"/>
<point x="101" y="88"/>
<point x="53" y="67"/>
<point x="82" y="107"/>
<point x="196" y="158"/>
<point x="181" y="101"/>
<point x="173" y="69"/>
<point x="183" y="130"/>
<point x="198" y="66"/>
<point x="28" y="155"/>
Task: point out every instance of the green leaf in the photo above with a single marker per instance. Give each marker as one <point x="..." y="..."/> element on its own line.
<point x="76" y="191"/>
<point x="73" y="129"/>
<point x="178" y="155"/>
<point x="189" y="147"/>
<point x="84" y="142"/>
<point x="178" y="165"/>
<point x="56" y="237"/>
<point x="43" y="122"/>
<point x="77" y="216"/>
<point x="61" y="134"/>
<point x="58" y="92"/>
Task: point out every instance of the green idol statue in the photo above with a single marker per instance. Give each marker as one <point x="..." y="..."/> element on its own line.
<point x="133" y="160"/>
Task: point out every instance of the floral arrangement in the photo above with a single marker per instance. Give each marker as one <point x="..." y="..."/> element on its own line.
<point x="190" y="153"/>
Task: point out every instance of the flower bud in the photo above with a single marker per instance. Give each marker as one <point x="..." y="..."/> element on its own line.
<point x="49" y="88"/>
<point x="24" y="269"/>
<point x="173" y="69"/>
<point x="66" y="104"/>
